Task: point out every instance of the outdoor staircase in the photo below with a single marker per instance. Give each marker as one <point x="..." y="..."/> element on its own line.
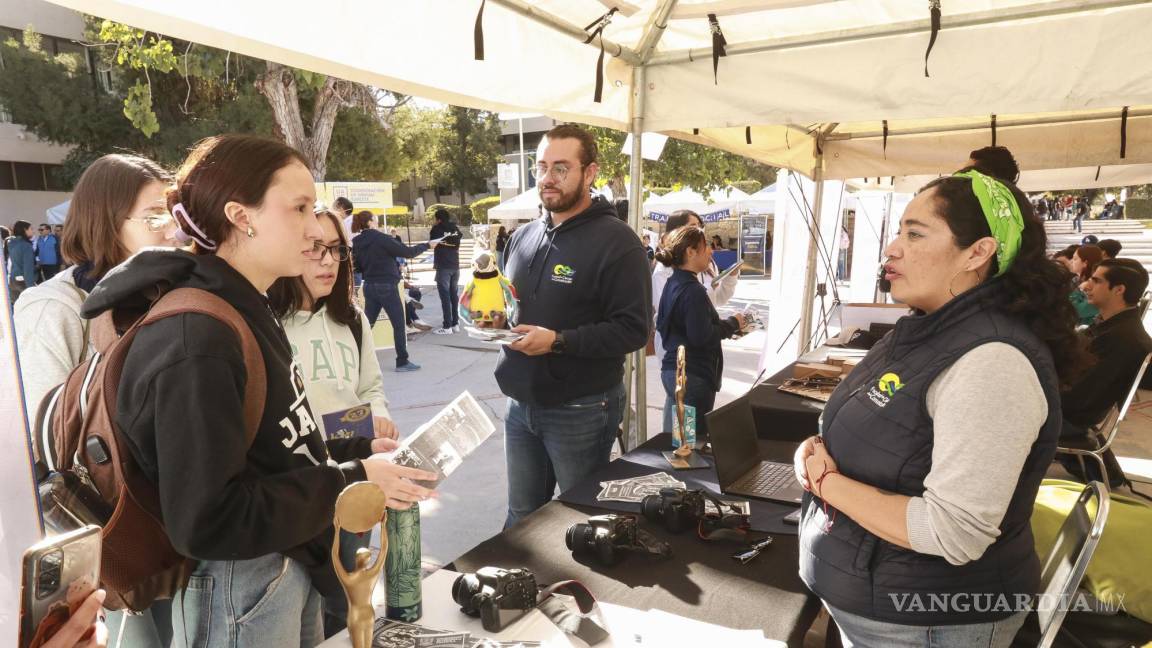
<point x="1136" y="241"/>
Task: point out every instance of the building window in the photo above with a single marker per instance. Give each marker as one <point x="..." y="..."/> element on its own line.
<point x="7" y="180"/>
<point x="53" y="177"/>
<point x="29" y="176"/>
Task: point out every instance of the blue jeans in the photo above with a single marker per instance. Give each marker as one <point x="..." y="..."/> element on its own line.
<point x="386" y="296"/>
<point x="267" y="601"/>
<point x="697" y="393"/>
<point x="1077" y="223"/>
<point x="448" y="287"/>
<point x="859" y="632"/>
<point x="546" y="446"/>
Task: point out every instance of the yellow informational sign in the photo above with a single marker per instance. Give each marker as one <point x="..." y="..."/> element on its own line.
<point x="375" y="196"/>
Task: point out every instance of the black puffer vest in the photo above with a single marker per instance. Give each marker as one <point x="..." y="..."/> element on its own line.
<point x="876" y="426"/>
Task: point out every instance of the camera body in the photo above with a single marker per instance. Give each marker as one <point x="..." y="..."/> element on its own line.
<point x="498" y="596"/>
<point x="608" y="538"/>
<point x="677" y="509"/>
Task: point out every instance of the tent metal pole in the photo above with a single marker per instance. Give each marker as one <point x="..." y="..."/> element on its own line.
<point x="635" y="209"/>
<point x="1104" y="115"/>
<point x="526" y="9"/>
<point x="655" y="31"/>
<point x="974" y="19"/>
<point x="877" y="296"/>
<point x="809" y="294"/>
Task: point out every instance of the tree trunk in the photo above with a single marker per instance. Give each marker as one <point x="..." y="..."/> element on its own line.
<point x="618" y="186"/>
<point x="278" y="85"/>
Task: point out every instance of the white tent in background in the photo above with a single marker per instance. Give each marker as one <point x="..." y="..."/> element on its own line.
<point x="724" y="198"/>
<point x="524" y="207"/>
<point x="57" y="214"/>
<point x="761" y="202"/>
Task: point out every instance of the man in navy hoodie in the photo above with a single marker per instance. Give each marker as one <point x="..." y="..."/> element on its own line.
<point x="581" y="276"/>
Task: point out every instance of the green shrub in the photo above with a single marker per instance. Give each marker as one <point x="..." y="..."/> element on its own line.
<point x="1138" y="208"/>
<point x="480" y="208"/>
<point x="462" y="215"/>
<point x="748" y="186"/>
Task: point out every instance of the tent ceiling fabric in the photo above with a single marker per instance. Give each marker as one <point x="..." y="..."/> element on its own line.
<point x="793" y="66"/>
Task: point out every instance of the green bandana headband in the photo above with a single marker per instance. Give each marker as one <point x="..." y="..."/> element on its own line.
<point x="1003" y="216"/>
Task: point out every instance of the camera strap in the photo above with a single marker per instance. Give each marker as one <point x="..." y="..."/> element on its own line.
<point x="722" y="524"/>
<point x="568" y="620"/>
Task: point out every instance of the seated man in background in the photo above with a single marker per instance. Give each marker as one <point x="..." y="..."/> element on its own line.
<point x="1119" y="343"/>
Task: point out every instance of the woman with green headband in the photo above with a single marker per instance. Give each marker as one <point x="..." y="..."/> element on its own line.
<point x="915" y="530"/>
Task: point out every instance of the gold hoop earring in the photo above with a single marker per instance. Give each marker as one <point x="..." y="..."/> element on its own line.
<point x="251" y="232"/>
<point x="953" y="292"/>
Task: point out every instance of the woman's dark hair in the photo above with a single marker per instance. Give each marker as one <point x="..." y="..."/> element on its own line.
<point x="680" y="218"/>
<point x="502" y="231"/>
<point x="361" y="221"/>
<point x="1091" y="255"/>
<point x="1066" y="253"/>
<point x="1034" y="289"/>
<point x="21" y="228"/>
<point x="223" y="169"/>
<point x="675" y="245"/>
<point x="103" y="198"/>
<point x="286" y="296"/>
<point x="1111" y="247"/>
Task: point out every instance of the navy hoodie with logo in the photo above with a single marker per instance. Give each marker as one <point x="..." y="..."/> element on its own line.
<point x="586" y="278"/>
<point x="180" y="410"/>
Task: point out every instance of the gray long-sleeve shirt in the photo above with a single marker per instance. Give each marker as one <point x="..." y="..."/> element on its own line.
<point x="987" y="410"/>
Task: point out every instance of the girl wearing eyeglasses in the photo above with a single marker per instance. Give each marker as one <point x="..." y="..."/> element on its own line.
<point x="332" y="343"/>
<point x="117" y="209"/>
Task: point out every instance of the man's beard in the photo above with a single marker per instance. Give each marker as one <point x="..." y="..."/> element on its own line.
<point x="561" y="203"/>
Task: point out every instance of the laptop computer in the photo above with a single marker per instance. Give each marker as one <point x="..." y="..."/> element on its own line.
<point x="739" y="468"/>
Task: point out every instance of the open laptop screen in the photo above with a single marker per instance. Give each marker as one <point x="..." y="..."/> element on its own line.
<point x="734" y="446"/>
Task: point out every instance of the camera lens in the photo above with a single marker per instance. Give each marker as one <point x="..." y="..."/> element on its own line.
<point x="48" y="574"/>
<point x="579" y="537"/>
<point x="650" y="507"/>
<point x="463" y="589"/>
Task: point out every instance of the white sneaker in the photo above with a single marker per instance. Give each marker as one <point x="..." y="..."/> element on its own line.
<point x="421" y="326"/>
<point x="456" y="329"/>
<point x="444" y="331"/>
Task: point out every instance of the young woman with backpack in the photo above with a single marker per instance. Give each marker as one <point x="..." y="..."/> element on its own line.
<point x="256" y="514"/>
<point x="118" y="209"/>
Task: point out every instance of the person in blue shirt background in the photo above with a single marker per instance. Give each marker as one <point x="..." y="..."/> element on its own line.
<point x="47" y="252"/>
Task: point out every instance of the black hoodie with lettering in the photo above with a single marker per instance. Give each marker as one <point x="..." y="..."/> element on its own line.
<point x="588" y="279"/>
<point x="180" y="410"/>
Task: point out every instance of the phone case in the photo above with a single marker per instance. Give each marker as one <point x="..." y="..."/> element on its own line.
<point x="59" y="574"/>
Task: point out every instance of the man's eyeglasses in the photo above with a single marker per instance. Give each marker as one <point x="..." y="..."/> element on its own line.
<point x="155" y="222"/>
<point x="338" y="252"/>
<point x="559" y="171"/>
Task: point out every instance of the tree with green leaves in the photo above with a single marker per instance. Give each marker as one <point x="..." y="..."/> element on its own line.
<point x="466" y="150"/>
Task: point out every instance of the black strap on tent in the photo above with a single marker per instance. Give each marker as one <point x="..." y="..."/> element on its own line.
<point x="719" y="43"/>
<point x="1097" y="174"/>
<point x="1124" y="133"/>
<point x="695" y="131"/>
<point x="934" y="8"/>
<point x="478" y="33"/>
<point x="747" y="134"/>
<point x="596" y="28"/>
<point x="993" y="130"/>
<point x="885" y="139"/>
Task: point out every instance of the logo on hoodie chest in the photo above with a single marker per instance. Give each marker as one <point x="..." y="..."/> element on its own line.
<point x="562" y="273"/>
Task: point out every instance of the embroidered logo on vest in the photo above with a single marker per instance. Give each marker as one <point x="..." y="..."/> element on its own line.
<point x="885" y="389"/>
<point x="563" y="274"/>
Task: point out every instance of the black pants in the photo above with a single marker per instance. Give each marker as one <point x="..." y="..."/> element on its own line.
<point x="386" y="296"/>
<point x="448" y="286"/>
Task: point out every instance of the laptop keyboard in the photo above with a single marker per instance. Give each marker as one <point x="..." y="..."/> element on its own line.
<point x="767" y="478"/>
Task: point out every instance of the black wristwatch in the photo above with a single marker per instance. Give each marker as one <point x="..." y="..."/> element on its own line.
<point x="558" y="343"/>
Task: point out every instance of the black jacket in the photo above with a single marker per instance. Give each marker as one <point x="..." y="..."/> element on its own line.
<point x="1119" y="344"/>
<point x="588" y="279"/>
<point x="180" y="411"/>
<point x="446" y="256"/>
<point x="687" y="317"/>
<point x="374" y="255"/>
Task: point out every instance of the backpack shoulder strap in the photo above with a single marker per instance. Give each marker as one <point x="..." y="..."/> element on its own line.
<point x="195" y="300"/>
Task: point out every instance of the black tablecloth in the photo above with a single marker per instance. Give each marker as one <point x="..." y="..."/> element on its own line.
<point x="781" y="416"/>
<point x="700" y="581"/>
<point x="765" y="516"/>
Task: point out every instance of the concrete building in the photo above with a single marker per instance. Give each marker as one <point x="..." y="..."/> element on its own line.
<point x="28" y="182"/>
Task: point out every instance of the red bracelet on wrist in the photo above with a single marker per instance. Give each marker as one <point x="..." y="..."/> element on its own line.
<point x="817" y="486"/>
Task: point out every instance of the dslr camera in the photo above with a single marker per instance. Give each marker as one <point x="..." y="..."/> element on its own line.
<point x="498" y="596"/>
<point x="609" y="537"/>
<point x="675" y="508"/>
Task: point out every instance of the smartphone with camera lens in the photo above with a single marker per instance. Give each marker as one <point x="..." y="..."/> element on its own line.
<point x="59" y="574"/>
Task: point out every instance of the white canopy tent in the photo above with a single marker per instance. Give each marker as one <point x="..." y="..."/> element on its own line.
<point x="829" y="89"/>
<point x="761" y="202"/>
<point x="57" y="214"/>
<point x="524" y="207"/>
<point x="718" y="199"/>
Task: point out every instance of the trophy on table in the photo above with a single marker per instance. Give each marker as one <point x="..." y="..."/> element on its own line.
<point x="360" y="507"/>
<point x="684" y="426"/>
